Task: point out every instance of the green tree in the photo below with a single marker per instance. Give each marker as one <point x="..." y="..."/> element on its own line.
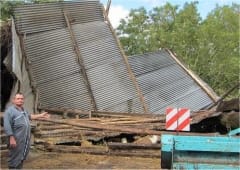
<point x="184" y="36"/>
<point x="6" y="8"/>
<point x="219" y="48"/>
<point x="210" y="47"/>
<point x="134" y="33"/>
<point x="162" y="25"/>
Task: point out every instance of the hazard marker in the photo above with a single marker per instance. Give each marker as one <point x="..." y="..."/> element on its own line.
<point x="178" y="119"/>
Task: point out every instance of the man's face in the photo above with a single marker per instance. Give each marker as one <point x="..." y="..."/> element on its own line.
<point x="18" y="100"/>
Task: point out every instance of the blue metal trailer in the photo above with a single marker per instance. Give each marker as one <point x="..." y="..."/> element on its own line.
<point x="201" y="152"/>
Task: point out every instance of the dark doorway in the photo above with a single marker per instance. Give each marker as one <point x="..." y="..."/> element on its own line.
<point x="7" y="79"/>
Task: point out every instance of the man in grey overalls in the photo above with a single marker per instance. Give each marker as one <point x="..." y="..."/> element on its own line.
<point x="18" y="129"/>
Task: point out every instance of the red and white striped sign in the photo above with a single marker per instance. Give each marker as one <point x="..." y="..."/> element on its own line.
<point x="178" y="119"/>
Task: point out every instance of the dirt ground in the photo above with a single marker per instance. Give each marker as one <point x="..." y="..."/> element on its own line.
<point x="52" y="160"/>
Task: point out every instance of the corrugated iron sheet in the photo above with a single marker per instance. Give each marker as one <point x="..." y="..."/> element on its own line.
<point x="54" y="63"/>
<point x="33" y="18"/>
<point x="59" y="78"/>
<point x="165" y="84"/>
<point x="106" y="70"/>
<point x="56" y="71"/>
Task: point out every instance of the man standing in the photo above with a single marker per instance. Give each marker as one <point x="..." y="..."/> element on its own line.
<point x="18" y="129"/>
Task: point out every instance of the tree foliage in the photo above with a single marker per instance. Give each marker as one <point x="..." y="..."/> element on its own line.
<point x="209" y="46"/>
<point x="6" y="8"/>
<point x="219" y="40"/>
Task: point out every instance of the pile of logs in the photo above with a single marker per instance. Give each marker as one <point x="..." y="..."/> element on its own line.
<point x="100" y="133"/>
<point x="104" y="132"/>
<point x="125" y="134"/>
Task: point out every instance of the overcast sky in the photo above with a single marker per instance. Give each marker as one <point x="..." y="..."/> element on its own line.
<point x="120" y="8"/>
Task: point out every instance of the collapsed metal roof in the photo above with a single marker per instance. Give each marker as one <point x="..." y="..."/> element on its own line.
<point x="167" y="83"/>
<point x="74" y="58"/>
<point x="75" y="61"/>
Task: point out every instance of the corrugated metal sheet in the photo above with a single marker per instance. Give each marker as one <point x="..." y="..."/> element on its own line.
<point x="106" y="70"/>
<point x="56" y="71"/>
<point x="58" y="75"/>
<point x="54" y="62"/>
<point x="34" y="18"/>
<point x="165" y="84"/>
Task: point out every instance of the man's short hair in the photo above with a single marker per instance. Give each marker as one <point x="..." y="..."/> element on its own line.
<point x="18" y="93"/>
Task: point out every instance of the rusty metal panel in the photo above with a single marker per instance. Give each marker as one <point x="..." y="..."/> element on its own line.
<point x="165" y="84"/>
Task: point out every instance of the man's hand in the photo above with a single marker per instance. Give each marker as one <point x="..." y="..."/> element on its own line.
<point x="12" y="142"/>
<point x="40" y="116"/>
<point x="44" y="115"/>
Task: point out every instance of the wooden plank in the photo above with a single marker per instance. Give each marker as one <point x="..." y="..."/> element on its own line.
<point x="124" y="114"/>
<point x="48" y="128"/>
<point x="80" y="60"/>
<point x="131" y="75"/>
<point x="130" y="146"/>
<point x="132" y="121"/>
<point x="137" y="153"/>
<point x="204" y="86"/>
<point x="196" y="117"/>
<point x="67" y="112"/>
<point x="109" y="127"/>
<point x="102" y="150"/>
<point x="57" y="133"/>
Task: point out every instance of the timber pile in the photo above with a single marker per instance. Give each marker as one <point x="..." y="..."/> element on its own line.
<point x="124" y="133"/>
<point x="103" y="132"/>
<point x="112" y="133"/>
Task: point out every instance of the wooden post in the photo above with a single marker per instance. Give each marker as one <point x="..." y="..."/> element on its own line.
<point x="90" y="114"/>
<point x="132" y="77"/>
<point x="80" y="60"/>
<point x="196" y="79"/>
<point x="108" y="7"/>
<point x="29" y="71"/>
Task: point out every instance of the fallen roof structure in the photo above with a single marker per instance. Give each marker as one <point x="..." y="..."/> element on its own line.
<point x="74" y="59"/>
<point x="68" y="60"/>
<point x="67" y="56"/>
<point x="166" y="82"/>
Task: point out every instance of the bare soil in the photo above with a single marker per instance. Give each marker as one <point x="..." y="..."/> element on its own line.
<point x="52" y="160"/>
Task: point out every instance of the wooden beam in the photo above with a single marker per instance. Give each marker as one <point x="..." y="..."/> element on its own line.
<point x="104" y="113"/>
<point x="124" y="114"/>
<point x="80" y="61"/>
<point x="28" y="66"/>
<point x="209" y="92"/>
<point x="102" y="150"/>
<point x="138" y="153"/>
<point x="104" y="127"/>
<point x="131" y="146"/>
<point x="225" y="95"/>
<point x="108" y="7"/>
<point x="131" y="121"/>
<point x="132" y="77"/>
<point x="62" y="111"/>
